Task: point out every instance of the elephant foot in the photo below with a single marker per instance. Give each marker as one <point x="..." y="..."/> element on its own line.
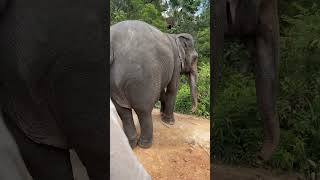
<point x="265" y="153"/>
<point x="133" y="143"/>
<point x="258" y="162"/>
<point x="271" y="139"/>
<point x="145" y="144"/>
<point x="167" y="119"/>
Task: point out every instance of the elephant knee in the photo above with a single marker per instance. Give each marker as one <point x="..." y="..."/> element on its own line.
<point x="268" y="75"/>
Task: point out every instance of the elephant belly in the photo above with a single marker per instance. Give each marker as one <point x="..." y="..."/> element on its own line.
<point x="119" y="97"/>
<point x="35" y="120"/>
<point x="136" y="87"/>
<point x="246" y="20"/>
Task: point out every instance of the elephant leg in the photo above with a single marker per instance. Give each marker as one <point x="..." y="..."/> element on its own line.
<point x="266" y="78"/>
<point x="146" y="126"/>
<point x="170" y="99"/>
<point x="80" y="97"/>
<point x="162" y="101"/>
<point x="128" y="124"/>
<point x="266" y="97"/>
<point x="42" y="161"/>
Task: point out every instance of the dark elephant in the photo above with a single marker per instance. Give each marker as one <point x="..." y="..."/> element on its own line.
<point x="53" y="84"/>
<point x="257" y="21"/>
<point x="145" y="65"/>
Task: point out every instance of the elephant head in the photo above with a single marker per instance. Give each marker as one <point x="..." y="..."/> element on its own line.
<point x="189" y="58"/>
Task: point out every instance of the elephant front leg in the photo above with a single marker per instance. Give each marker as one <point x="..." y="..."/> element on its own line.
<point x="168" y="102"/>
<point x="266" y="79"/>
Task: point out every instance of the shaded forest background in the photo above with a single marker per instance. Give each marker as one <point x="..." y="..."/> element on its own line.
<point x="237" y="134"/>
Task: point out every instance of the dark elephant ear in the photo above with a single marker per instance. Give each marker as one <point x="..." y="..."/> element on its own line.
<point x="186" y="40"/>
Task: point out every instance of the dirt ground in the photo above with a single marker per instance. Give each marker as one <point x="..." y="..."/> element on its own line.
<point x="182" y="152"/>
<point x="223" y="172"/>
<point x="178" y="152"/>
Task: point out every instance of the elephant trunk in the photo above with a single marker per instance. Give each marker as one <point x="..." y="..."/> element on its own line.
<point x="193" y="87"/>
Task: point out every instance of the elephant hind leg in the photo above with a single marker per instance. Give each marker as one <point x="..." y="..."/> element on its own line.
<point x="163" y="102"/>
<point x="146" y="126"/>
<point x="128" y="124"/>
<point x="266" y="86"/>
<point x="266" y="83"/>
<point x="42" y="161"/>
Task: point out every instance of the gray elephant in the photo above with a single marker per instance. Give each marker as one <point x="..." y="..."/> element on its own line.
<point x="257" y="20"/>
<point x="145" y="66"/>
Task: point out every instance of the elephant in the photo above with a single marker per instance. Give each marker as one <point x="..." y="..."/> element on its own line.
<point x="145" y="66"/>
<point x="54" y="84"/>
<point x="257" y="22"/>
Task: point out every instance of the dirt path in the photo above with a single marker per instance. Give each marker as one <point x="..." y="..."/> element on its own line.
<point x="178" y="152"/>
<point x="182" y="152"/>
<point x="223" y="172"/>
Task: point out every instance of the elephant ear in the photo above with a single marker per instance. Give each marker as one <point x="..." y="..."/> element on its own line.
<point x="186" y="40"/>
<point x="184" y="43"/>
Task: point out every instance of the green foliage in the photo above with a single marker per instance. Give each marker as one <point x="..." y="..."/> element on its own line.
<point x="137" y="10"/>
<point x="237" y="131"/>
<point x="299" y="99"/>
<point x="203" y="44"/>
<point x="238" y="128"/>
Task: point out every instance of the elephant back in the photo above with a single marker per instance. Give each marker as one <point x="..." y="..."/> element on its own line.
<point x="141" y="55"/>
